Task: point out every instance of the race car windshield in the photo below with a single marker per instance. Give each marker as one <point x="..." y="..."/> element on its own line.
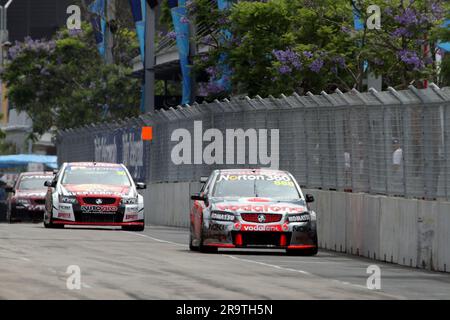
<point x="276" y="187"/>
<point x="96" y="175"/>
<point x="32" y="183"/>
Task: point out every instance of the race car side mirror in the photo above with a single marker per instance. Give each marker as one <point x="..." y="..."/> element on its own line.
<point x="141" y="186"/>
<point x="203" y="179"/>
<point x="50" y="184"/>
<point x="9" y="189"/>
<point x="198" y="197"/>
<point x="309" y="198"/>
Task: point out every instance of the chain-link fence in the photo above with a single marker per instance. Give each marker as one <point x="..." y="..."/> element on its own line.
<point x="392" y="142"/>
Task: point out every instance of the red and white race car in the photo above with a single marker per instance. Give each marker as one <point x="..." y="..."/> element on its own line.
<point x="27" y="198"/>
<point x="247" y="208"/>
<point x="94" y="194"/>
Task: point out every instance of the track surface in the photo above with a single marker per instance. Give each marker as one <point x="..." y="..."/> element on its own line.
<point x="157" y="264"/>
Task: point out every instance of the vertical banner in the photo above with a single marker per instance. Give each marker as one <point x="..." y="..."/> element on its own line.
<point x="445" y="45"/>
<point x="98" y="21"/>
<point x="138" y="11"/>
<point x="225" y="80"/>
<point x="359" y="25"/>
<point x="181" y="26"/>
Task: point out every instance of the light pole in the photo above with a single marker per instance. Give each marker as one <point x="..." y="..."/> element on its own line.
<point x="149" y="60"/>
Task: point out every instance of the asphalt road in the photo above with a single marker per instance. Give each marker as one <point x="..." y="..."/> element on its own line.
<point x="157" y="264"/>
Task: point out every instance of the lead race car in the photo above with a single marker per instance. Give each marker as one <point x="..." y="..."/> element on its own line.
<point x="247" y="208"/>
<point x="94" y="194"/>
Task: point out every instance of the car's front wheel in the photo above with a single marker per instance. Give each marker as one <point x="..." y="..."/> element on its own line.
<point x="191" y="245"/>
<point x="202" y="247"/>
<point x="49" y="224"/>
<point x="305" y="252"/>
<point x="134" y="228"/>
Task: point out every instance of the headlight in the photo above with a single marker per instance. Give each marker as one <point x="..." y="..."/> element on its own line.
<point x="22" y="201"/>
<point x="222" y="216"/>
<point x="68" y="199"/>
<point x="129" y="201"/>
<point x="304" y="217"/>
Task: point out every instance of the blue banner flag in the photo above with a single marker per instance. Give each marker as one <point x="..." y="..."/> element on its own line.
<point x="138" y="11"/>
<point x="98" y="22"/>
<point x="358" y="22"/>
<point x="179" y="18"/>
<point x="359" y="25"/>
<point x="445" y="45"/>
<point x="225" y="81"/>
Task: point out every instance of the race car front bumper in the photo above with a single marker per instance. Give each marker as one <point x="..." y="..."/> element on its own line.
<point x="27" y="214"/>
<point x="220" y="234"/>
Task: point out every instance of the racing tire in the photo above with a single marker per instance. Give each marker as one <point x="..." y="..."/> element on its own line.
<point x="205" y="249"/>
<point x="191" y="246"/>
<point x="302" y="252"/>
<point x="134" y="228"/>
<point x="9" y="218"/>
<point x="305" y="252"/>
<point x="51" y="225"/>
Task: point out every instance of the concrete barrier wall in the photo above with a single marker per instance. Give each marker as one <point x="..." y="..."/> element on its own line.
<point x="408" y="232"/>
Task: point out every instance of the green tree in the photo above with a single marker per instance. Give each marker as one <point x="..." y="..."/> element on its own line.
<point x="64" y="83"/>
<point x="282" y="46"/>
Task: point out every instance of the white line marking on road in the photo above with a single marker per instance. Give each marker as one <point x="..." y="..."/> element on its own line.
<point x="156" y="239"/>
<point x="269" y="265"/>
<point x="309" y="274"/>
<point x="25" y="259"/>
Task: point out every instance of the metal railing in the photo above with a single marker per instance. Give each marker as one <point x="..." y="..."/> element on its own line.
<point x="391" y="142"/>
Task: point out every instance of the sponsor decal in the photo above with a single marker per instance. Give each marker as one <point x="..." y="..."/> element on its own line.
<point x="33" y="207"/>
<point x="36" y="177"/>
<point x="65" y="207"/>
<point x="249" y="227"/>
<point x="31" y="195"/>
<point x="133" y="216"/>
<point x="129" y="200"/>
<point x="272" y="208"/>
<point x="254" y="177"/>
<point x="96" y="193"/>
<point x="91" y="165"/>
<point x="216" y="227"/>
<point x="98" y="209"/>
<point x="222" y="216"/>
<point x="299" y="218"/>
<point x="64" y="215"/>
